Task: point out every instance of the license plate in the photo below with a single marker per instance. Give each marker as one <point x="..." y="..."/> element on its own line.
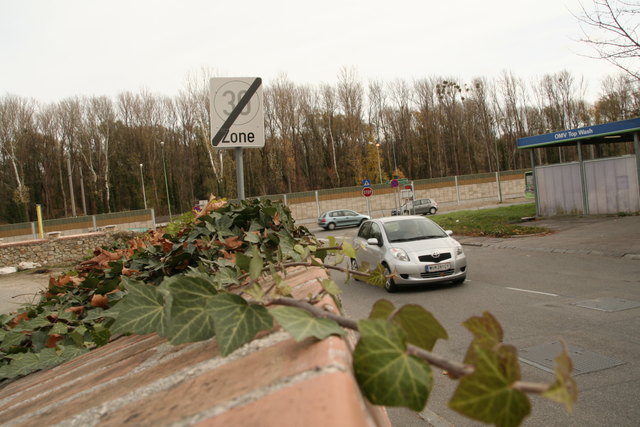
<point x="438" y="267"/>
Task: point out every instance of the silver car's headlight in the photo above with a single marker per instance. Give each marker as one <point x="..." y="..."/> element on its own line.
<point x="400" y="254"/>
<point x="458" y="249"/>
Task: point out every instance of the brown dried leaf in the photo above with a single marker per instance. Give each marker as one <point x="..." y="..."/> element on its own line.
<point x="232" y="243"/>
<point x="19" y="318"/>
<point x="99" y="301"/>
<point x="53" y="339"/>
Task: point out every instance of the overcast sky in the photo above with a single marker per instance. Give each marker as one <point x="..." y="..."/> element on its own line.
<point x="50" y="50"/>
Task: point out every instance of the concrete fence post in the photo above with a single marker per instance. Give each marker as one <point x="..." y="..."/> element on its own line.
<point x="33" y="231"/>
<point x="457" y="189"/>
<point x="95" y="224"/>
<point x="317" y="204"/>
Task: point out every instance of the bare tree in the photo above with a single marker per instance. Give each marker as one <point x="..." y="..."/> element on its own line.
<point x="16" y="121"/>
<point x="611" y="29"/>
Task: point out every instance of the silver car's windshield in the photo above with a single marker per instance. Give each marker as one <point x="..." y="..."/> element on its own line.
<point x="413" y="229"/>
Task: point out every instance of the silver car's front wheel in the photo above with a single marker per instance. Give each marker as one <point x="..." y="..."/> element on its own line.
<point x="389" y="285"/>
<point x="354" y="266"/>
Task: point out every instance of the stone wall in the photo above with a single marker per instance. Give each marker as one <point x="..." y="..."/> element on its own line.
<point x="57" y="251"/>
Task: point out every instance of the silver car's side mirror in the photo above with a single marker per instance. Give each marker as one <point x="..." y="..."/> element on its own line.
<point x="373" y="241"/>
<point x="449" y="232"/>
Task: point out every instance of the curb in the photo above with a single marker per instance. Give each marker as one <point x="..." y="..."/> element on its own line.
<point x="631" y="256"/>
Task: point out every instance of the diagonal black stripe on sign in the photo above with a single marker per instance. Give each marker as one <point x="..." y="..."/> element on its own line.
<point x="224" y="130"/>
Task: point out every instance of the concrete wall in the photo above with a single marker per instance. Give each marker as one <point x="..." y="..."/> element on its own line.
<point x="139" y="220"/>
<point x="385" y="198"/>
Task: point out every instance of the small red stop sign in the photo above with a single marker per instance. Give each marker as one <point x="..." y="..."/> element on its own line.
<point x="367" y="191"/>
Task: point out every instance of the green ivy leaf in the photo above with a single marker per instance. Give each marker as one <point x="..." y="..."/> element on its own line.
<point x="487" y="333"/>
<point x="301" y="324"/>
<point x="141" y="311"/>
<point x="252" y="237"/>
<point x="33" y="324"/>
<point x="190" y="319"/>
<point x="25" y="363"/>
<point x="100" y="335"/>
<point x="59" y="328"/>
<point x="376" y="278"/>
<point x="237" y="322"/>
<point x="565" y="389"/>
<point x="331" y="287"/>
<point x="386" y="374"/>
<point x="243" y="261"/>
<point x="347" y="250"/>
<point x="422" y="328"/>
<point x="11" y="339"/>
<point x="487" y="395"/>
<point x="255" y="267"/>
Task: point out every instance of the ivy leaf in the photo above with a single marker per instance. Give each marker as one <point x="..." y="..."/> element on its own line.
<point x="255" y="267"/>
<point x="347" y="250"/>
<point x="189" y="313"/>
<point x="25" y="363"/>
<point x="564" y="390"/>
<point x="301" y="324"/>
<point x="423" y="330"/>
<point x="331" y="287"/>
<point x="376" y="278"/>
<point x="252" y="237"/>
<point x="141" y="311"/>
<point x="100" y="334"/>
<point x="242" y="261"/>
<point x="387" y="375"/>
<point x="237" y="322"/>
<point x="487" y="333"/>
<point x="12" y="338"/>
<point x="486" y="395"/>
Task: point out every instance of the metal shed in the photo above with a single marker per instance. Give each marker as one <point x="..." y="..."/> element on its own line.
<point x="599" y="186"/>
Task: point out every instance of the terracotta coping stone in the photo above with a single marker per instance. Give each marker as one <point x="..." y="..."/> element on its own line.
<point x="143" y="380"/>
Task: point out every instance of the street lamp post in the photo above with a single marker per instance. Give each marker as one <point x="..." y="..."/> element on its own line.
<point x="166" y="183"/>
<point x="379" y="168"/>
<point x="144" y="194"/>
<point x="495" y="140"/>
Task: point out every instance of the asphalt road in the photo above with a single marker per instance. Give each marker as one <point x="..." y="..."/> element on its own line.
<point x="538" y="287"/>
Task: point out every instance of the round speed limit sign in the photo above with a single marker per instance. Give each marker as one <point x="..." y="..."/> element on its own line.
<point x="237" y="117"/>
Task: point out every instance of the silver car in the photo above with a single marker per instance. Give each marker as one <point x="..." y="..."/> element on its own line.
<point x="340" y="218"/>
<point x="414" y="249"/>
<point x="417" y="207"/>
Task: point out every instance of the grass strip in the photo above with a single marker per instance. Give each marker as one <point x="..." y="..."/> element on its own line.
<point x="504" y="221"/>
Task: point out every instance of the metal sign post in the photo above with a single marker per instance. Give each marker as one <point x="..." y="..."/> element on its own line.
<point x="367" y="192"/>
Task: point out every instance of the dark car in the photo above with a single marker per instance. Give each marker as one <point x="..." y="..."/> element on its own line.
<point x="340" y="218"/>
<point x="417" y="207"/>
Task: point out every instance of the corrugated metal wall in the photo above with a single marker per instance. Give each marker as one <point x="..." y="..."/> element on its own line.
<point x="611" y="185"/>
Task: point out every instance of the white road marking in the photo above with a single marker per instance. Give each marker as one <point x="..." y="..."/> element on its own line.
<point x="533" y="292"/>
